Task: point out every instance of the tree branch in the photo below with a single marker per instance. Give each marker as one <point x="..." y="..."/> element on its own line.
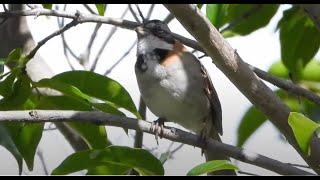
<point x="239" y="73"/>
<point x="225" y="58"/>
<point x="56" y="33"/>
<point x="111" y="33"/>
<point x="100" y="118"/>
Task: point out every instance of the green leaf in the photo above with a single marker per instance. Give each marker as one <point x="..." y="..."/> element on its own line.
<point x="26" y="138"/>
<point x="303" y="129"/>
<point x="7" y="142"/>
<point x="47" y="6"/>
<point x="216" y="14"/>
<point x="14" y="56"/>
<point x="247" y="18"/>
<point x="87" y="84"/>
<point x="199" y="6"/>
<point x="211" y="166"/>
<point x="311" y="72"/>
<point x="101" y="8"/>
<point x="6" y="86"/>
<point x="2" y="62"/>
<point x="21" y="92"/>
<point x="253" y="118"/>
<point x="95" y="136"/>
<point x="299" y="40"/>
<point x="139" y="159"/>
<point x="250" y="122"/>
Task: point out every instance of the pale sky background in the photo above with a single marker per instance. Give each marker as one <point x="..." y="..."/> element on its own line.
<point x="260" y="49"/>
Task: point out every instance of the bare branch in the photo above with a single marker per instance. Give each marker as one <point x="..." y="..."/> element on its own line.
<point x="44" y="165"/>
<point x="169" y="18"/>
<point x="56" y="33"/>
<point x="4" y="8"/>
<point x="134" y="14"/>
<point x="121" y="58"/>
<point x="140" y="13"/>
<point x="239" y="73"/>
<point x="286" y="85"/>
<point x="138" y="139"/>
<point x="177" y="135"/>
<point x="150" y="11"/>
<point x="89" y="9"/>
<point x="111" y="33"/>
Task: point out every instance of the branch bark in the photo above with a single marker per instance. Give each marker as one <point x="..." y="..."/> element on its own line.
<point x="173" y="134"/>
<point x="238" y="72"/>
<point x="15" y="33"/>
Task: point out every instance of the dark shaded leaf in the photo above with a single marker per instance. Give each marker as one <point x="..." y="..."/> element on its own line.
<point x="139" y="159"/>
<point x="6" y="142"/>
<point x="250" y="122"/>
<point x="299" y="39"/>
<point x="247" y="18"/>
<point x="211" y="166"/>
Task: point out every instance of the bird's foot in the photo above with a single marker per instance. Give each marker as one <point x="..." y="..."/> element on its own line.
<point x="203" y="141"/>
<point x="157" y="128"/>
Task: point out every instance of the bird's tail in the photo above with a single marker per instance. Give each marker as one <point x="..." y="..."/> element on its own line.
<point x="214" y="155"/>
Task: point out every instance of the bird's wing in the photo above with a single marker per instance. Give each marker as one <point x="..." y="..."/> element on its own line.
<point x="212" y="95"/>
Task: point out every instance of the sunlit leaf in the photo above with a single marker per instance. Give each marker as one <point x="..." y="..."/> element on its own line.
<point x="303" y="129"/>
<point x="101" y="8"/>
<point x="211" y="166"/>
<point x="47" y="6"/>
<point x="124" y="157"/>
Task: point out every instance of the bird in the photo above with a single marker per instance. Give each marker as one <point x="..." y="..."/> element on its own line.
<point x="175" y="86"/>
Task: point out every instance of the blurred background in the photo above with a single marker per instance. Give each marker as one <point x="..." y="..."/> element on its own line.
<point x="260" y="48"/>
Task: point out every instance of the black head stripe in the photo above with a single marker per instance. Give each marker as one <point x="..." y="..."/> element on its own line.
<point x="161" y="53"/>
<point x="160" y="29"/>
<point x="141" y="64"/>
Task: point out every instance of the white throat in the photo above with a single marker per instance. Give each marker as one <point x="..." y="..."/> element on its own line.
<point x="149" y="43"/>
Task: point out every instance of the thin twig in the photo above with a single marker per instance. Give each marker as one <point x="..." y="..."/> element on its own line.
<point x="89" y="9"/>
<point x="44" y="165"/>
<point x="121" y="58"/>
<point x="87" y="52"/>
<point x="286" y="85"/>
<point x="56" y="33"/>
<point x="150" y="11"/>
<point x="299" y="165"/>
<point x="173" y="134"/>
<point x="4" y="8"/>
<point x="111" y="33"/>
<point x="169" y="18"/>
<point x="64" y="43"/>
<point x="140" y="13"/>
<point x="247" y="173"/>
<point x="134" y="14"/>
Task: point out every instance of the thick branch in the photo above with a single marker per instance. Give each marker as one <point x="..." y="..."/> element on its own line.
<point x="239" y="73"/>
<point x="100" y="118"/>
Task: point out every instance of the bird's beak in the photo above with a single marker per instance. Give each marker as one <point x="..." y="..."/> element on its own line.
<point x="140" y="31"/>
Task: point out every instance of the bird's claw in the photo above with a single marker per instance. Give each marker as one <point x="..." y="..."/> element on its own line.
<point x="157" y="128"/>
